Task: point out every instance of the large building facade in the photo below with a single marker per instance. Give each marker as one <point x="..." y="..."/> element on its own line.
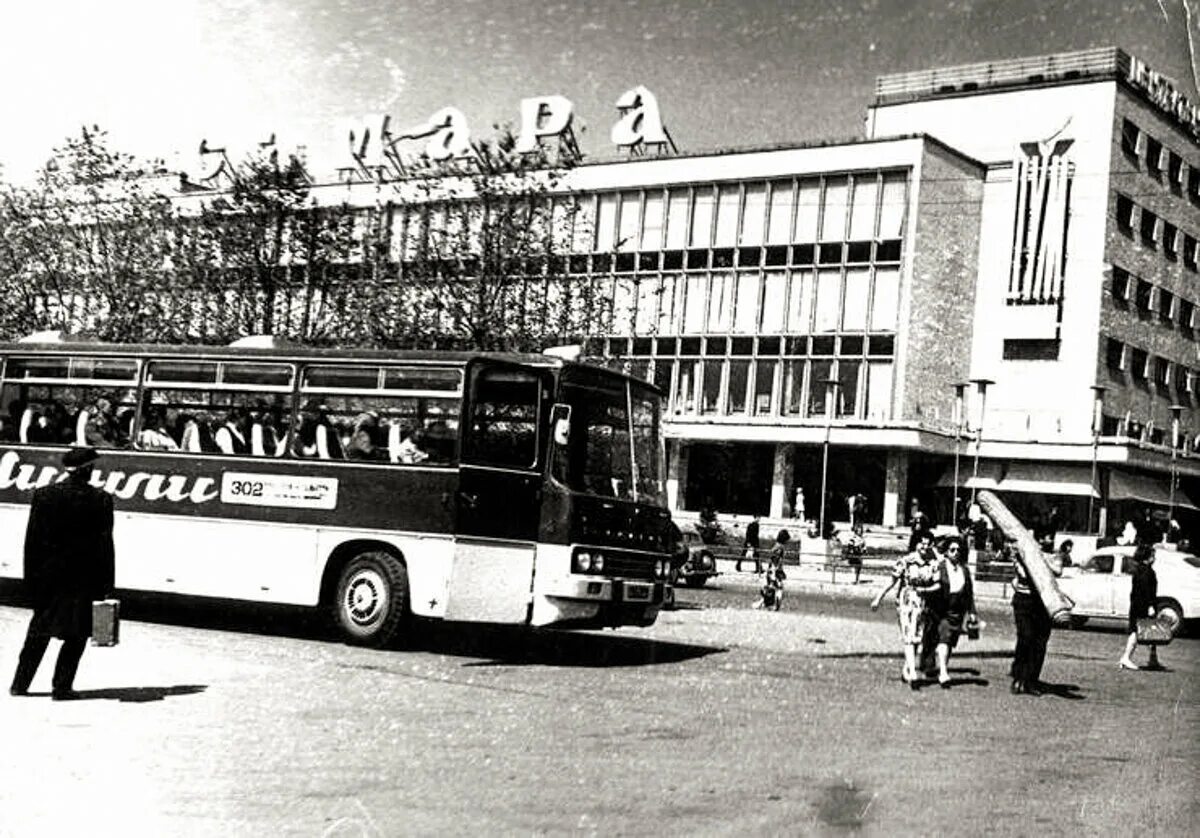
<point x="996" y="287"/>
<point x="1000" y="280"/>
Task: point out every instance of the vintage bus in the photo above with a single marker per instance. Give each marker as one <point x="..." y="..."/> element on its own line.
<point x="519" y="489"/>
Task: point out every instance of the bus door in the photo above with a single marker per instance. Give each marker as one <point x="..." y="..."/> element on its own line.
<point x="498" y="503"/>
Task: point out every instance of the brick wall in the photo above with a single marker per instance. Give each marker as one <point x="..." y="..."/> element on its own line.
<point x="1124" y="321"/>
<point x="941" y="294"/>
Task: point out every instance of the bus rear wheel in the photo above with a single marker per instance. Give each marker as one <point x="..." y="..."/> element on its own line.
<point x="371" y="605"/>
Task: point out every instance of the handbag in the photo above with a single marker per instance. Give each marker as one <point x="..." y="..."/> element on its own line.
<point x="106" y="622"/>
<point x="1152" y="632"/>
<point x="973" y="627"/>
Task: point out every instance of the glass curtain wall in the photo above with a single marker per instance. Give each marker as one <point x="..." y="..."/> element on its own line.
<point x="745" y="299"/>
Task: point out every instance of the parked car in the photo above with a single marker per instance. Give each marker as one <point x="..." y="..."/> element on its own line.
<point x="699" y="565"/>
<point x="1099" y="585"/>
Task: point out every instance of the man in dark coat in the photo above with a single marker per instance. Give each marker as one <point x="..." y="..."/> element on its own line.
<point x="68" y="564"/>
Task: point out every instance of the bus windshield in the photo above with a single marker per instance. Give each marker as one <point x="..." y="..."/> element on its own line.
<point x="614" y="447"/>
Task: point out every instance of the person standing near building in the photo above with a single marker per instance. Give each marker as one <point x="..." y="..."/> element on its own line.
<point x="858" y="510"/>
<point x="798" y="511"/>
<point x="1143" y="592"/>
<point x="750" y="547"/>
<point x="1033" y="627"/>
<point x="68" y="564"/>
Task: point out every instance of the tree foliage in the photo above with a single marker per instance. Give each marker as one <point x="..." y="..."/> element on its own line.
<point x="471" y="255"/>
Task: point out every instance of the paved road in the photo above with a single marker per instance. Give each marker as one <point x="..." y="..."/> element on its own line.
<point x="719" y="720"/>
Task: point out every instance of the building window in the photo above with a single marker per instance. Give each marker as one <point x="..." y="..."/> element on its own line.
<point x="1186" y="312"/>
<point x="863" y="206"/>
<point x="1149" y="228"/>
<point x="820" y="372"/>
<point x="1175" y="171"/>
<point x="1120" y="283"/>
<point x="779" y="222"/>
<point x="829" y="299"/>
<point x="1166" y="306"/>
<point x="764" y="388"/>
<point x="1189" y="252"/>
<point x="1193" y="186"/>
<point x="1183" y="376"/>
<point x="848" y="372"/>
<point x="754" y="215"/>
<point x="893" y="202"/>
<point x="1030" y="349"/>
<point x="1114" y="354"/>
<point x="1125" y="212"/>
<point x="739" y="379"/>
<point x="1138" y="358"/>
<point x="854" y="307"/>
<point x="885" y="302"/>
<point x="808" y="210"/>
<point x="1154" y="153"/>
<point x="833" y="216"/>
<point x="1131" y="137"/>
<point x="1144" y="298"/>
<point x="1162" y="372"/>
<point x="1170" y="236"/>
<point x="879" y="390"/>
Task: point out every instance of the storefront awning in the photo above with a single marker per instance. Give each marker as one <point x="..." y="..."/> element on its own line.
<point x="1155" y="490"/>
<point x="1049" y="479"/>
<point x="1032" y="478"/>
<point x="988" y="477"/>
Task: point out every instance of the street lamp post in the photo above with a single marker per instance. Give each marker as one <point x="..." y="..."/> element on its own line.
<point x="959" y="394"/>
<point x="1097" y="423"/>
<point x="831" y="385"/>
<point x="1176" y="412"/>
<point x="981" y="385"/>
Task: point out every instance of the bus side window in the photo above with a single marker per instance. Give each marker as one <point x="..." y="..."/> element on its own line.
<point x="503" y="416"/>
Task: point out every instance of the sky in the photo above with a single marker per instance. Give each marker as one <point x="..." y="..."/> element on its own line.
<point x="161" y="75"/>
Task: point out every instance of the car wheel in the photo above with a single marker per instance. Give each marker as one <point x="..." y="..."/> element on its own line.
<point x="1169" y="614"/>
<point x="372" y="599"/>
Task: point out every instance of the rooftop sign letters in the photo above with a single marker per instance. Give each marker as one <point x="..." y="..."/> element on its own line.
<point x="1161" y="91"/>
<point x="379" y="151"/>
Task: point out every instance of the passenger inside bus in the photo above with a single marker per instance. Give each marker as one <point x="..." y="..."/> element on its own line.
<point x="266" y="437"/>
<point x="230" y="438"/>
<point x="411" y="448"/>
<point x="363" y="442"/>
<point x="315" y="437"/>
<point x="153" y="435"/>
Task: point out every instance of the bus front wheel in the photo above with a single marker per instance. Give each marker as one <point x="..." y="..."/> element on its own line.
<point x="372" y="599"/>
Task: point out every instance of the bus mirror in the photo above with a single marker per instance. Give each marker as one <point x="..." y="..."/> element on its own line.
<point x="562" y="424"/>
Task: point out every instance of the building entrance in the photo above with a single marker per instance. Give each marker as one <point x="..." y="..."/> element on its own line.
<point x="733" y="477"/>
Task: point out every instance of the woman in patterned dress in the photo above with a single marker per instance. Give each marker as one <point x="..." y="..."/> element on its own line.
<point x="914" y="575"/>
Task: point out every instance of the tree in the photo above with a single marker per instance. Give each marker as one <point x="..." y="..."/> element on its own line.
<point x="89" y="242"/>
<point x="480" y="255"/>
<point x="257" y="255"/>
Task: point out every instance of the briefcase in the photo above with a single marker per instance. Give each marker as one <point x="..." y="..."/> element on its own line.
<point x="1152" y="632"/>
<point x="106" y="622"/>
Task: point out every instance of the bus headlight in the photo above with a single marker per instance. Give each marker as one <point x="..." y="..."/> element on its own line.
<point x="663" y="568"/>
<point x="583" y="561"/>
<point x="598" y="562"/>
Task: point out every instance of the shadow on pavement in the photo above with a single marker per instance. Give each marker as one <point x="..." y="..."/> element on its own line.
<point x="498" y="645"/>
<point x="1067" y="691"/>
<point x="517" y="646"/>
<point x="135" y="695"/>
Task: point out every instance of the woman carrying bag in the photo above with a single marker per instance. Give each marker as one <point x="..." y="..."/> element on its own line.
<point x="1142" y="594"/>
